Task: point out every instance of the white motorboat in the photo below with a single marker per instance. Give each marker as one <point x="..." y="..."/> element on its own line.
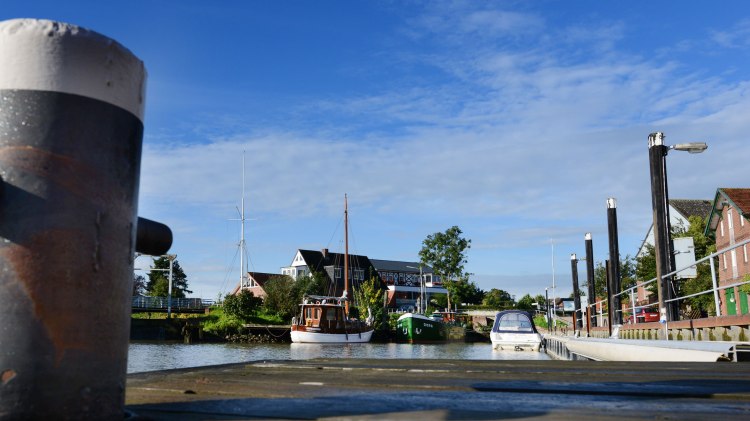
<point x="515" y="330"/>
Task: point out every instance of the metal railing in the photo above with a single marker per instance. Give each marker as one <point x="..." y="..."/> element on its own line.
<point x="715" y="287"/>
<point x="143" y="302"/>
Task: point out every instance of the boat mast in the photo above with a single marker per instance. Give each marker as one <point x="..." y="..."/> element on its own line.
<point x="346" y="256"/>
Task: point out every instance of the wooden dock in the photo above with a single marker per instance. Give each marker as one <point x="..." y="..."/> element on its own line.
<point x="443" y="389"/>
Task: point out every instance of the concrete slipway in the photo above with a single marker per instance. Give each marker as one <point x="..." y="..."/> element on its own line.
<point x="443" y="389"/>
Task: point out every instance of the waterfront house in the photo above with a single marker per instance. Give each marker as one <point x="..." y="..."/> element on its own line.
<point x="255" y="283"/>
<point x="400" y="278"/>
<point x="403" y="282"/>
<point x="306" y="262"/>
<point x="729" y="222"/>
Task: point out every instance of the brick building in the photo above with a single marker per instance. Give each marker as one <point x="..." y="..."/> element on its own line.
<point x="729" y="222"/>
<point x="255" y="283"/>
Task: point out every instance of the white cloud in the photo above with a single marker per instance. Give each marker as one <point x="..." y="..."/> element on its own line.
<point x="737" y="36"/>
<point x="528" y="136"/>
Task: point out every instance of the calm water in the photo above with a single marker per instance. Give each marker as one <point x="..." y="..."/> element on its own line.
<point x="161" y="356"/>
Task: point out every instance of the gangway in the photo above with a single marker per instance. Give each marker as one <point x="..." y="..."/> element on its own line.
<point x="611" y="349"/>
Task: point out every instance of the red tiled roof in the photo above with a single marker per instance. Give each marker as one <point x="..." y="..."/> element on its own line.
<point x="740" y="197"/>
<point x="259" y="277"/>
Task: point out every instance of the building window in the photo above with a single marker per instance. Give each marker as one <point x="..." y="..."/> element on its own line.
<point x="337" y="273"/>
<point x="730" y="223"/>
<point x="721" y="225"/>
<point x="744" y="249"/>
<point x="724" y="256"/>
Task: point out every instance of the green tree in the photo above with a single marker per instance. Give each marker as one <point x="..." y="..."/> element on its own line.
<point x="646" y="268"/>
<point x="497" y="298"/>
<point x="474" y="294"/>
<point x="281" y="297"/>
<point x="242" y="306"/>
<point x="446" y="253"/>
<point x="745" y="287"/>
<point x="628" y="278"/>
<point x="704" y="245"/>
<point x="463" y="290"/>
<point x="628" y="270"/>
<point x="525" y="303"/>
<point x="312" y="284"/>
<point x="438" y="301"/>
<point x="600" y="280"/>
<point x="158" y="280"/>
<point x="139" y="285"/>
<point x="369" y="295"/>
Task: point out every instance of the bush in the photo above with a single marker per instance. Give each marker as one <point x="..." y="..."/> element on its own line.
<point x="221" y="324"/>
<point x="281" y="299"/>
<point x="242" y="306"/>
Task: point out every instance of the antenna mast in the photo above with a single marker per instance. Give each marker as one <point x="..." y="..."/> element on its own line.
<point x="243" y="272"/>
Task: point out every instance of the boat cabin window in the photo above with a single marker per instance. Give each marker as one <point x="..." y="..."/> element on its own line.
<point x="312" y="316"/>
<point x="517" y="322"/>
<point x="331" y="314"/>
<point x="312" y="313"/>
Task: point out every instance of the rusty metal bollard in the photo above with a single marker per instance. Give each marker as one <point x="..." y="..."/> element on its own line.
<point x="71" y="127"/>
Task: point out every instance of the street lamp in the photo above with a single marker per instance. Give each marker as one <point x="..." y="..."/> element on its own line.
<point x="660" y="203"/>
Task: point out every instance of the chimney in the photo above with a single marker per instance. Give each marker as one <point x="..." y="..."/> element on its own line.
<point x="325" y="253"/>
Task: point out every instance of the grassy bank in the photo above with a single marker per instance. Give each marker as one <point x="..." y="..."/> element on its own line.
<point x="216" y="324"/>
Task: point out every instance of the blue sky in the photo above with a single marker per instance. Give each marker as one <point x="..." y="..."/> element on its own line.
<point x="514" y="120"/>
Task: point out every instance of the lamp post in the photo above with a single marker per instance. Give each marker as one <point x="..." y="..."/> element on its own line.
<point x="657" y="153"/>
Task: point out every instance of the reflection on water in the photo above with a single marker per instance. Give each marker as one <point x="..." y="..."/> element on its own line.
<point x="162" y="356"/>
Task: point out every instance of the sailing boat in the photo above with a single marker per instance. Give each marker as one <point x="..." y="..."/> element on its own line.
<point x="418" y="328"/>
<point x="325" y="319"/>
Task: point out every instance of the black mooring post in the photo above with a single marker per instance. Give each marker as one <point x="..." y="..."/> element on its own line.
<point x="590" y="277"/>
<point x="657" y="153"/>
<point x="71" y="126"/>
<point x="577" y="323"/>
<point x="614" y="261"/>
<point x="609" y="296"/>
